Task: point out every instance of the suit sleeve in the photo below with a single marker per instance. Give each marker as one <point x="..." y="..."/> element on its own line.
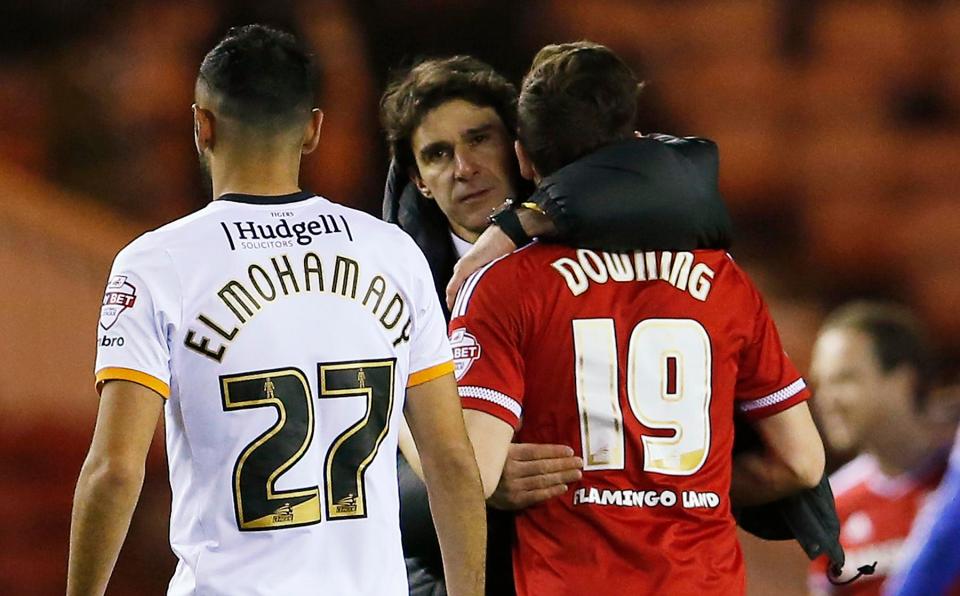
<point x="654" y="193"/>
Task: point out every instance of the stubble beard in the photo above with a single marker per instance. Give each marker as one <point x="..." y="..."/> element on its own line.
<point x="206" y="178"/>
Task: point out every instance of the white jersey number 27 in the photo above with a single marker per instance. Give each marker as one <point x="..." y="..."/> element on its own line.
<point x="258" y="504"/>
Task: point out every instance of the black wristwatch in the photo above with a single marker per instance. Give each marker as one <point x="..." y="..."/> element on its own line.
<point x="505" y="217"/>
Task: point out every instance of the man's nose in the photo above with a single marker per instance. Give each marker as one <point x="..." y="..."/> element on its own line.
<point x="466" y="166"/>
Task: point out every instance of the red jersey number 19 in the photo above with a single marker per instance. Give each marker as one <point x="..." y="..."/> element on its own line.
<point x="668" y="386"/>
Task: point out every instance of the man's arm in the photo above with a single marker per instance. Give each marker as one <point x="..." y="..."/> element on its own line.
<point x="532" y="472"/>
<point x="408" y="447"/>
<point x="110" y="483"/>
<point x="453" y="482"/>
<point x="493" y="243"/>
<point x="792" y="459"/>
<point x="491" y="440"/>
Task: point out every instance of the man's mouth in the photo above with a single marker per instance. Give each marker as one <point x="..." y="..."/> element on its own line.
<point x="474" y="195"/>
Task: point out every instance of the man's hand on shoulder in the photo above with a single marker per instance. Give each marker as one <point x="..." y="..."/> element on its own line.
<point x="492" y="244"/>
<point x="534" y="473"/>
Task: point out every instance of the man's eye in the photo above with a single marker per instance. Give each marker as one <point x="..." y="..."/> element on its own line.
<point x="477" y="139"/>
<point x="436" y="155"/>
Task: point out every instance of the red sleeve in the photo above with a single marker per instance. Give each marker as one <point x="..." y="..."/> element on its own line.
<point x="485" y="337"/>
<point x="767" y="382"/>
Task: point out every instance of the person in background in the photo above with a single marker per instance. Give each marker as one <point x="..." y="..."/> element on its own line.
<point x="871" y="370"/>
<point x="930" y="563"/>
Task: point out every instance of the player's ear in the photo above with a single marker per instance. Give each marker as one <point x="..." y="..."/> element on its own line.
<point x="527" y="169"/>
<point x="203" y="129"/>
<point x="311" y="134"/>
<point x="418" y="182"/>
<point x="906" y="380"/>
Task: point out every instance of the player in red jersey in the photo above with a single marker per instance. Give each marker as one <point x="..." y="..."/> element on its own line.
<point x="639" y="361"/>
<point x="871" y="368"/>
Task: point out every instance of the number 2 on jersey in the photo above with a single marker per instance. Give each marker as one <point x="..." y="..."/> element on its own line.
<point x="257" y="502"/>
<point x="668" y="386"/>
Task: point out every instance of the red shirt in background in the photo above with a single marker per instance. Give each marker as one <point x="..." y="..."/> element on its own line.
<point x="876" y="513"/>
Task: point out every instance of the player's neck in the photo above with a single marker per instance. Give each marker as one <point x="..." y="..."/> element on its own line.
<point x="253" y="175"/>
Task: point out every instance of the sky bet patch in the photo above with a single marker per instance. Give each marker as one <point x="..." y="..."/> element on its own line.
<point x="466" y="350"/>
<point x="120" y="296"/>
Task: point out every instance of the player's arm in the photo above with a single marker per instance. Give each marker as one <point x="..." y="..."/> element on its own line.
<point x="673" y="204"/>
<point x="450" y="472"/>
<point x="532" y="472"/>
<point x="791" y="459"/>
<point x="110" y="483"/>
<point x="491" y="440"/>
<point x="494" y="243"/>
<point x="408" y="447"/>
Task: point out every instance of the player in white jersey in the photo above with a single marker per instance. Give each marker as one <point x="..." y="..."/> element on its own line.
<point x="284" y="337"/>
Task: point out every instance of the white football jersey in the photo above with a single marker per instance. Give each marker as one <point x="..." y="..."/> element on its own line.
<point x="283" y="332"/>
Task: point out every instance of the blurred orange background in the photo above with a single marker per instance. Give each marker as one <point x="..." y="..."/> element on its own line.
<point x="838" y="124"/>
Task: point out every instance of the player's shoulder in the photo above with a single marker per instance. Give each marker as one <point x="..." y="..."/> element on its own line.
<point x="502" y="277"/>
<point x="369" y="226"/>
<point x="730" y="275"/>
<point x="853" y="475"/>
<point x="517" y="263"/>
<point x="153" y="245"/>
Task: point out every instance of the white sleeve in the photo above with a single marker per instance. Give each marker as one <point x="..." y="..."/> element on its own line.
<point x="430" y="353"/>
<point x="134" y="321"/>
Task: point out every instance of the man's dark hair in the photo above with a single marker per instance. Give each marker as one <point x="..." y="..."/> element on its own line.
<point x="414" y="92"/>
<point x="576" y="98"/>
<point x="260" y="77"/>
<point x="897" y="336"/>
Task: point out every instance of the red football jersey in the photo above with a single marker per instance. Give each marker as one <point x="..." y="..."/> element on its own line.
<point x="636" y="360"/>
<point x="876" y="513"/>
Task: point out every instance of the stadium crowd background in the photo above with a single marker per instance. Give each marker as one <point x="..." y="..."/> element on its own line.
<point x="838" y="124"/>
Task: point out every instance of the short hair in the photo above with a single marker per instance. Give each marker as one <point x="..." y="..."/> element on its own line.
<point x="260" y="76"/>
<point x="897" y="336"/>
<point x="411" y="94"/>
<point x="576" y="98"/>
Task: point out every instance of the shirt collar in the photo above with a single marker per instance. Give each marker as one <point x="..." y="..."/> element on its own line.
<point x="300" y="195"/>
<point x="460" y="245"/>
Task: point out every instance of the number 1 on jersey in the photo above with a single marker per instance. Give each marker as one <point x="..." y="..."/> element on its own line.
<point x="668" y="387"/>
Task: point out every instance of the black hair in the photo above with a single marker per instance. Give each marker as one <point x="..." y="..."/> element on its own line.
<point x="260" y="77"/>
<point x="411" y="94"/>
<point x="897" y="337"/>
